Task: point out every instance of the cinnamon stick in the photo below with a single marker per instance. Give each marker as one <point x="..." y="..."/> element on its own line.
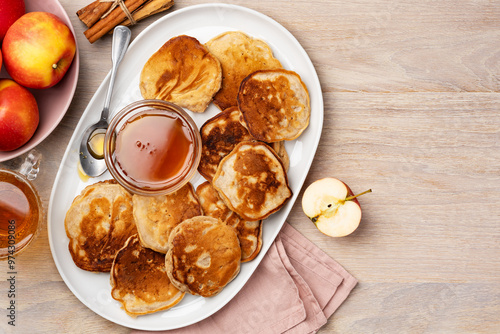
<point x="150" y="8"/>
<point x="92" y="13"/>
<point x="112" y="20"/>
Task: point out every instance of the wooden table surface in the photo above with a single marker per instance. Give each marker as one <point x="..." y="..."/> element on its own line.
<point x="412" y="97"/>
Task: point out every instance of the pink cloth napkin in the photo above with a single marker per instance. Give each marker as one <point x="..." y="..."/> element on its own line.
<point x="295" y="289"/>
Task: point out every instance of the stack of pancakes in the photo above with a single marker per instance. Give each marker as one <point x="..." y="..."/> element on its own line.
<point x="249" y="232"/>
<point x="159" y="248"/>
<point x="111" y="230"/>
<point x="262" y="106"/>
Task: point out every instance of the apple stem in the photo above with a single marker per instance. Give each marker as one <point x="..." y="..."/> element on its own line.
<point x="349" y="198"/>
<point x="334" y="206"/>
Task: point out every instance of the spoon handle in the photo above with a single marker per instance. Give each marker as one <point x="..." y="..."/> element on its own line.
<point x="121" y="39"/>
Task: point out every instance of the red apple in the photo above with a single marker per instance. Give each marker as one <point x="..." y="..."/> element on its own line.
<point x="0" y="60"/>
<point x="38" y="50"/>
<point x="18" y="115"/>
<point x="10" y="11"/>
<point x="331" y="205"/>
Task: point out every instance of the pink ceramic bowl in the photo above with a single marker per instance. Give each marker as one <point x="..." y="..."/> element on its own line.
<point x="52" y="102"/>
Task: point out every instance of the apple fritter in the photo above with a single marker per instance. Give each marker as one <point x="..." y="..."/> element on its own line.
<point x="182" y="71"/>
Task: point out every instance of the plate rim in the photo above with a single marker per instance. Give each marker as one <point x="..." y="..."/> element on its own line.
<point x="316" y="140"/>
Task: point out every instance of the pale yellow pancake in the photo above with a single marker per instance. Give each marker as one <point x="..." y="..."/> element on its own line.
<point x="98" y="223"/>
<point x="239" y="55"/>
<point x="156" y="216"/>
<point x="203" y="256"/>
<point x="182" y="71"/>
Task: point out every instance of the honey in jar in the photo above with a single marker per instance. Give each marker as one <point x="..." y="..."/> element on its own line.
<point x="152" y="147"/>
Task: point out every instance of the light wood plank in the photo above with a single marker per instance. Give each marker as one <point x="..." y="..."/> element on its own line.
<point x="432" y="160"/>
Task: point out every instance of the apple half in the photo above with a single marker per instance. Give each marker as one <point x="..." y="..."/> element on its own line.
<point x="332" y="207"/>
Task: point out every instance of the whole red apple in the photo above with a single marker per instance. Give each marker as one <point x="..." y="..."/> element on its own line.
<point x="38" y="50"/>
<point x="10" y="11"/>
<point x="18" y="115"/>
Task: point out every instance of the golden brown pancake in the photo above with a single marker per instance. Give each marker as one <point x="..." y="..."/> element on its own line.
<point x="274" y="104"/>
<point x="139" y="280"/>
<point x="219" y="135"/>
<point x="252" y="181"/>
<point x="203" y="257"/>
<point x="156" y="216"/>
<point x="280" y="149"/>
<point x="277" y="146"/>
<point x="249" y="233"/>
<point x="182" y="71"/>
<point x="239" y="55"/>
<point x="97" y="224"/>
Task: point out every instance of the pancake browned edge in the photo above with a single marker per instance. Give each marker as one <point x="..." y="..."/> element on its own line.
<point x="219" y="135"/>
<point x="139" y="280"/>
<point x="156" y="216"/>
<point x="239" y="55"/>
<point x="203" y="257"/>
<point x="182" y="71"/>
<point x="277" y="146"/>
<point x="275" y="105"/>
<point x="98" y="223"/>
<point x="249" y="233"/>
<point x="252" y="181"/>
<point x="280" y="149"/>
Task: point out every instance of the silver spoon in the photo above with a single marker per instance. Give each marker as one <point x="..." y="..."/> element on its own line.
<point x="91" y="160"/>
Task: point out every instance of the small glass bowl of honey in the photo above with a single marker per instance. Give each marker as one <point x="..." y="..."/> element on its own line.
<point x="152" y="147"/>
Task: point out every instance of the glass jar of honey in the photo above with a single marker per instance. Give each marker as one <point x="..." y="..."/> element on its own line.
<point x="152" y="147"/>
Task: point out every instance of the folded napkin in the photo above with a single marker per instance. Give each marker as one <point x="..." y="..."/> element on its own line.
<point x="295" y="289"/>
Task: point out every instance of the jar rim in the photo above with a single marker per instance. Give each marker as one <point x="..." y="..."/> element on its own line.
<point x="127" y="113"/>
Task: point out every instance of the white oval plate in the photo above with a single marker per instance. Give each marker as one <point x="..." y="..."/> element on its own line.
<point x="202" y="22"/>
